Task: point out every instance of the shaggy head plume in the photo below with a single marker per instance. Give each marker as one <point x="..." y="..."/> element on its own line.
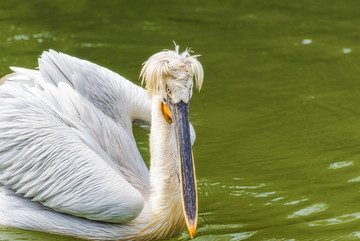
<point x="170" y="65"/>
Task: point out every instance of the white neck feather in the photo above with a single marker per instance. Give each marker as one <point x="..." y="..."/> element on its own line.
<point x="164" y="169"/>
<point x="164" y="204"/>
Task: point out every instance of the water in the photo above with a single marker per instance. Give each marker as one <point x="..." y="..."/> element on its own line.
<point x="278" y="142"/>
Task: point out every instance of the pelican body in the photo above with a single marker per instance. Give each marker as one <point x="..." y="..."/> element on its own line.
<point x="69" y="163"/>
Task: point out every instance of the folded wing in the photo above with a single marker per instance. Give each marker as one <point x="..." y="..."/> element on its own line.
<point x="53" y="149"/>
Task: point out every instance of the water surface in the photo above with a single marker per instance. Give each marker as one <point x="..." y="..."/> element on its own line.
<point x="278" y="119"/>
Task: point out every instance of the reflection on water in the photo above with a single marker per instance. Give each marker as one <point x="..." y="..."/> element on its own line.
<point x="216" y="232"/>
<point x="341" y="164"/>
<point x="277" y="121"/>
<point x="338" y="220"/>
<point x="296" y="201"/>
<point x="314" y="208"/>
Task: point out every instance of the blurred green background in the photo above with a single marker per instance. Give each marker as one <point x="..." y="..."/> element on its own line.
<point x="277" y="121"/>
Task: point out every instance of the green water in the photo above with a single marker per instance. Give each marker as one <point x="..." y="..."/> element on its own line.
<point x="277" y="121"/>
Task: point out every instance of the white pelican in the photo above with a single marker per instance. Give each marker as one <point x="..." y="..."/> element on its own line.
<point x="69" y="163"/>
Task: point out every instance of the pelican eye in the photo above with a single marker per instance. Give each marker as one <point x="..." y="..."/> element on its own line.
<point x="168" y="90"/>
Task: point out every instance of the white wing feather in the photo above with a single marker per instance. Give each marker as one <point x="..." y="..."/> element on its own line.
<point x="51" y="158"/>
<point x="113" y="94"/>
<point x="107" y="134"/>
<point x="20" y="212"/>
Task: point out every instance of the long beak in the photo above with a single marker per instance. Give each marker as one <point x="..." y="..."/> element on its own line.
<point x="180" y="117"/>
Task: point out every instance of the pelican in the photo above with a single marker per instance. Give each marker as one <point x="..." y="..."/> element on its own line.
<point x="69" y="163"/>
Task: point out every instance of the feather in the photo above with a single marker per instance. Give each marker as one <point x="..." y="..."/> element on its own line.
<point x="70" y="171"/>
<point x="109" y="92"/>
<point x="170" y="64"/>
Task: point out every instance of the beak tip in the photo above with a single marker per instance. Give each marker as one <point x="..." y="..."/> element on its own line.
<point x="192" y="231"/>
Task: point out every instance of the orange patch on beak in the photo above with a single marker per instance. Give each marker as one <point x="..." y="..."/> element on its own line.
<point x="192" y="231"/>
<point x="166" y="113"/>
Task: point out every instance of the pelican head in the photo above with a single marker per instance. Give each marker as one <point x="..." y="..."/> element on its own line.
<point x="169" y="75"/>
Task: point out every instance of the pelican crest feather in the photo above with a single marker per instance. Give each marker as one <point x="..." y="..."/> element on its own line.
<point x="173" y="66"/>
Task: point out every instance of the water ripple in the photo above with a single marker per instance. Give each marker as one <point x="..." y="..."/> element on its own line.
<point x="306" y="41"/>
<point x="315" y="208"/>
<point x="346" y="50"/>
<point x="356" y="179"/>
<point x="295" y="202"/>
<point x="220" y="232"/>
<point x="338" y="220"/>
<point x="341" y="164"/>
<point x="231" y="237"/>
